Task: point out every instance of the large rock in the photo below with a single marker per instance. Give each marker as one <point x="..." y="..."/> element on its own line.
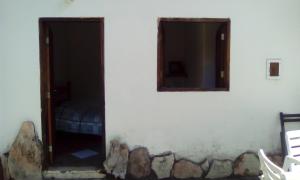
<point x="117" y="160"/>
<point x="25" y="155"/>
<point x="1" y="170"/>
<point x="139" y="164"/>
<point x="247" y="164"/>
<point x="162" y="165"/>
<point x="186" y="169"/>
<point x="205" y="165"/>
<point x="4" y="162"/>
<point x="220" y="169"/>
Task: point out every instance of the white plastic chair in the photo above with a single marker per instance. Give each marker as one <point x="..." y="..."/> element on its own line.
<point x="273" y="172"/>
<point x="292" y="139"/>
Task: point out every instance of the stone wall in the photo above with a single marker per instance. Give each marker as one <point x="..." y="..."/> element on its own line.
<point x="1" y="170"/>
<point x="5" y="171"/>
<point x="24" y="161"/>
<point x="140" y="164"/>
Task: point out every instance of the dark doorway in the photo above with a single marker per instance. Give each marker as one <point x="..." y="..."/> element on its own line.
<point x="72" y="91"/>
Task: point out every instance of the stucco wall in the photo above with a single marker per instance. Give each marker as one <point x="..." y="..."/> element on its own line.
<point x="1" y="97"/>
<point x="193" y="124"/>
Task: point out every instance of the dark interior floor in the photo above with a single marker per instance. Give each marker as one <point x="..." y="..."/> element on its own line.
<point x="68" y="143"/>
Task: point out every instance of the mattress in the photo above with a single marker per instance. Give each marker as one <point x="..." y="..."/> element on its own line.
<point x="83" y="118"/>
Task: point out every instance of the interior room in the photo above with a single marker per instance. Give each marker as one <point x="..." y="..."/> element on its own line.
<point x="191" y="55"/>
<point x="78" y="95"/>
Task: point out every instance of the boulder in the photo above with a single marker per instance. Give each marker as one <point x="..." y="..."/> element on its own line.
<point x="4" y="162"/>
<point x="247" y="164"/>
<point x="186" y="169"/>
<point x="220" y="169"/>
<point x="205" y="165"/>
<point x="162" y="165"/>
<point x="1" y="170"/>
<point x="139" y="164"/>
<point x="117" y="159"/>
<point x="25" y="155"/>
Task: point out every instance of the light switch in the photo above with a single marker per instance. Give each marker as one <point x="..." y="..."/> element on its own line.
<point x="273" y="68"/>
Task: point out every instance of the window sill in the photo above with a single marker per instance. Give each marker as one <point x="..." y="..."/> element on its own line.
<point x="167" y="89"/>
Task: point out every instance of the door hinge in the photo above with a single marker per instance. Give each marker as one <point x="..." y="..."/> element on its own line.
<point x="222" y="36"/>
<point x="222" y="73"/>
<point x="48" y="95"/>
<point x="47" y="40"/>
<point x="50" y="148"/>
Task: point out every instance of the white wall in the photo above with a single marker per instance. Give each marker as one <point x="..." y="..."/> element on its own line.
<point x="193" y="124"/>
<point x="1" y="86"/>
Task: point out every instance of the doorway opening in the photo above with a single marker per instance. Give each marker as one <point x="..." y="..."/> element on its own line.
<point x="72" y="91"/>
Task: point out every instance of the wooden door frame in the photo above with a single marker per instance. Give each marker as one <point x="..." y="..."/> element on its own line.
<point x="43" y="26"/>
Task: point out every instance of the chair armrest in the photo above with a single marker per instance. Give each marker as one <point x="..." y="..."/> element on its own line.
<point x="288" y="161"/>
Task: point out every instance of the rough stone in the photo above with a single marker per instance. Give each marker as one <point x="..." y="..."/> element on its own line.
<point x="1" y="170"/>
<point x="139" y="164"/>
<point x="117" y="159"/>
<point x="247" y="164"/>
<point x="205" y="165"/>
<point x="220" y="169"/>
<point x="162" y="165"/>
<point x="4" y="161"/>
<point x="276" y="159"/>
<point x="186" y="169"/>
<point x="25" y="155"/>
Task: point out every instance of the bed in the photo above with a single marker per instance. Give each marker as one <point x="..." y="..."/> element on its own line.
<point x="77" y="117"/>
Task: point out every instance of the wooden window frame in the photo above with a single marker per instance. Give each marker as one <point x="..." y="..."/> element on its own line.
<point x="160" y="53"/>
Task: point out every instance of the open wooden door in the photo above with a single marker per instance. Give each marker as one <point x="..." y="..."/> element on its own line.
<point x="101" y="24"/>
<point x="46" y="43"/>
